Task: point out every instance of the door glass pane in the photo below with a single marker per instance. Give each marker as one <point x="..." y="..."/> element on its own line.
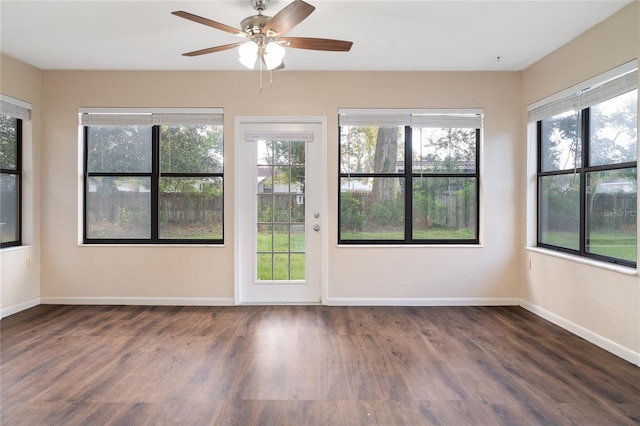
<point x="280" y="211"/>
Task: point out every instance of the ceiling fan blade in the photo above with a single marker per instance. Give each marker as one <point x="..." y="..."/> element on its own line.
<point x="317" y="44"/>
<point x="209" y="23"/>
<point x="212" y="49"/>
<point x="287" y="18"/>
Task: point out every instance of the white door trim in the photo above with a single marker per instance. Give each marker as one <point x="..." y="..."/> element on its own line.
<point x="238" y="123"/>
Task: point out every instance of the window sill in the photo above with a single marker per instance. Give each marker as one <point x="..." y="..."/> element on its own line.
<point x="585" y="261"/>
<point x="154" y="245"/>
<point x="410" y="246"/>
<point x="15" y="248"/>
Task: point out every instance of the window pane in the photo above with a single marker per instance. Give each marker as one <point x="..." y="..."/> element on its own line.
<point x="118" y="207"/>
<point x="297" y="152"/>
<point x="191" y="149"/>
<point x="190" y="208"/>
<point x="265" y="152"/>
<point x="9" y="208"/>
<point x="444" y="150"/>
<point x="8" y="142"/>
<point x="281" y="238"/>
<point x="265" y="238"/>
<point x="372" y="209"/>
<point x="611" y="213"/>
<point x="444" y="208"/>
<point x="297" y="238"/>
<point x="297" y="267"/>
<point x="559" y="210"/>
<point x="119" y="149"/>
<point x="265" y="267"/>
<point x="614" y="130"/>
<point x="281" y="208"/>
<point x="265" y="208"/>
<point x="371" y="149"/>
<point x="560" y="144"/>
<point x="281" y="267"/>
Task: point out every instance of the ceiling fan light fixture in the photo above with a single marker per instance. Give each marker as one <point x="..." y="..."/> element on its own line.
<point x="273" y="55"/>
<point x="248" y="54"/>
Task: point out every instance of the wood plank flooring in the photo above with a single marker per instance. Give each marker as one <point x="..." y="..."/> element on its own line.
<point x="306" y="365"/>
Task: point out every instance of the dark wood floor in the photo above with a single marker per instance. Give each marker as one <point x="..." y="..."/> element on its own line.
<point x="306" y="365"/>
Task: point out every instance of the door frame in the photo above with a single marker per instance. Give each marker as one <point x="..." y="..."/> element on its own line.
<point x="238" y="206"/>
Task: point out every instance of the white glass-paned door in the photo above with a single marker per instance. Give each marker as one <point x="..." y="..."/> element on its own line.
<point x="279" y="206"/>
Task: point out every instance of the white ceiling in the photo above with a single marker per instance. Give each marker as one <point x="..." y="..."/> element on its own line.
<point x="387" y="35"/>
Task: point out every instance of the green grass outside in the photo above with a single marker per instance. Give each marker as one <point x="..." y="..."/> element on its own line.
<point x="274" y="261"/>
<point x="620" y="245"/>
<point x="421" y="234"/>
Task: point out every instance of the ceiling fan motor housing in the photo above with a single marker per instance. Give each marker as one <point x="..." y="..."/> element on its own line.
<point x="254" y="24"/>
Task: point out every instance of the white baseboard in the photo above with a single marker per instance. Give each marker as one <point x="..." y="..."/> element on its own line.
<point x="598" y="340"/>
<point x="158" y="301"/>
<point x="445" y="301"/>
<point x="10" y="310"/>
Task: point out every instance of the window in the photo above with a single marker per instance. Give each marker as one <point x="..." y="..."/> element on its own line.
<point x="587" y="172"/>
<point x="409" y="177"/>
<point x="153" y="177"/>
<point x="10" y="181"/>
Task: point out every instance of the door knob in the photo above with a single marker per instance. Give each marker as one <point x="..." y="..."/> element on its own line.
<point x="316" y="227"/>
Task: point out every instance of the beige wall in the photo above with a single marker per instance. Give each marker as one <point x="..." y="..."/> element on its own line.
<point x="72" y="271"/>
<point x="600" y="304"/>
<point x="19" y="286"/>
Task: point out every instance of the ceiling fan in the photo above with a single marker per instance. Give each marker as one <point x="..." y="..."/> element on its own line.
<point x="264" y="35"/>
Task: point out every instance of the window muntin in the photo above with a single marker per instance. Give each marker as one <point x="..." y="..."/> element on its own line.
<point x="590" y="210"/>
<point x="147" y="183"/>
<point x="10" y="181"/>
<point x="432" y="201"/>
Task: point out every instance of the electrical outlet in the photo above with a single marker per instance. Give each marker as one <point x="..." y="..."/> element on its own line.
<point x="28" y="263"/>
<point x="529" y="263"/>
